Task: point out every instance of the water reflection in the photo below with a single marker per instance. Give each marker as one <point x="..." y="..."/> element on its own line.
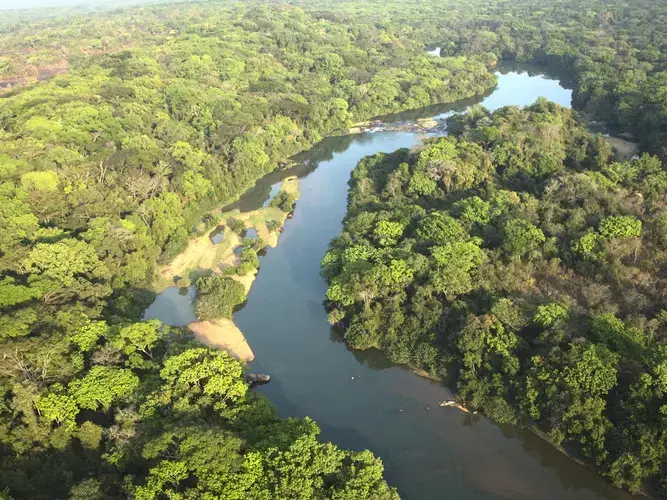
<point x="173" y="306"/>
<point x="304" y="163"/>
<point x="275" y="189"/>
<point x="217" y="235"/>
<point x="372" y="358"/>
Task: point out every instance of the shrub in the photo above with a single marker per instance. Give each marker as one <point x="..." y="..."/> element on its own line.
<point x="624" y="226"/>
<point x="217" y="296"/>
<point x="249" y="256"/>
<point x="236" y="225"/>
<point x="272" y="225"/>
<point x="255" y="244"/>
<point x="521" y="237"/>
<point x="284" y="201"/>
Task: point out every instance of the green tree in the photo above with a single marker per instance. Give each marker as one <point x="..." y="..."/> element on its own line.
<point x="197" y="379"/>
<point x="440" y="228"/>
<point x="421" y="185"/>
<point x="620" y="227"/>
<point x="87" y="337"/>
<point x="40" y="181"/>
<point x="138" y="340"/>
<point x="102" y="386"/>
<point x="548" y="315"/>
<point x="217" y="296"/>
<point x="521" y="237"/>
<point x="67" y="267"/>
<point x="59" y="408"/>
<point x="387" y="233"/>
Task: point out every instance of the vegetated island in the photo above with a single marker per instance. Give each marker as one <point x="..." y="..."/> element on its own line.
<point x="223" y="271"/>
<point x="517" y="260"/>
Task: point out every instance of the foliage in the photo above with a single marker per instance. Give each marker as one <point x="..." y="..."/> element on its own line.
<point x="620" y="227"/>
<point x="217" y="296"/>
<point x="236" y="225"/>
<point x="102" y="386"/>
<point x="273" y="225"/>
<point x="515" y="257"/>
<point x="534" y="293"/>
<point x="521" y="237"/>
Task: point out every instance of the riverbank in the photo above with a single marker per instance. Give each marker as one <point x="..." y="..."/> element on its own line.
<point x="364" y="200"/>
<point x="572" y="455"/>
<point x="579" y="459"/>
<point x="225" y="335"/>
<point x="360" y="398"/>
<point x="203" y="254"/>
<point x="218" y="250"/>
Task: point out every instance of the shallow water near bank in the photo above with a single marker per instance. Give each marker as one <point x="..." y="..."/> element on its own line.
<point x="217" y="235"/>
<point x="359" y="399"/>
<point x="173" y="306"/>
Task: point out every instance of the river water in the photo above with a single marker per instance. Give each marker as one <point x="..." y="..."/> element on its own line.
<point x="359" y="399"/>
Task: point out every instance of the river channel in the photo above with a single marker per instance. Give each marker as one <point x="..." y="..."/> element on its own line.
<point x="358" y="398"/>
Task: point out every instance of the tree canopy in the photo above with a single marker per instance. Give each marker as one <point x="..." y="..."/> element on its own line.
<point x="516" y="258"/>
<point x="539" y="297"/>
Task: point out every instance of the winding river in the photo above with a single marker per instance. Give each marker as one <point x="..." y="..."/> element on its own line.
<point x="359" y="399"/>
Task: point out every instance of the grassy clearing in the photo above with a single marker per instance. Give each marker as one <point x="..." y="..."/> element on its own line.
<point x="291" y="185"/>
<point x="200" y="255"/>
<point x="257" y="219"/>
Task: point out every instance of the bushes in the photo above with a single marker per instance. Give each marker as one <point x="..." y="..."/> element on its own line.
<point x="284" y="201"/>
<point x="238" y="226"/>
<point x="273" y="225"/>
<point x="620" y="227"/>
<point x="255" y="244"/>
<point x="217" y="296"/>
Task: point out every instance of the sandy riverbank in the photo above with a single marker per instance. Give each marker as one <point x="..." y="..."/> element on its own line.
<point x="223" y="334"/>
<point x="203" y="255"/>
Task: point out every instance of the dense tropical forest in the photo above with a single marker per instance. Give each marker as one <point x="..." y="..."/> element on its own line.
<point x="515" y="259"/>
<point x="155" y="117"/>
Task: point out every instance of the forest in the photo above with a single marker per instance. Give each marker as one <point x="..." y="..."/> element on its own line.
<point x="107" y="169"/>
<point x="518" y="262"/>
<point x="515" y="259"/>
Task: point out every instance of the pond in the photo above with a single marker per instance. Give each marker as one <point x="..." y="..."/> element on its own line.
<point x="217" y="235"/>
<point x="359" y="399"/>
<point x="174" y="306"/>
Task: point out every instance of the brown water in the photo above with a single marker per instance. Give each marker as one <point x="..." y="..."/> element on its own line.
<point x="358" y="398"/>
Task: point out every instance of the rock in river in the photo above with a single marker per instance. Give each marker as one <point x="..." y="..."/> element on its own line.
<point x="257" y="378"/>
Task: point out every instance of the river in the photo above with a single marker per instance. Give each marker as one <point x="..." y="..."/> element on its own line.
<point x="359" y="399"/>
